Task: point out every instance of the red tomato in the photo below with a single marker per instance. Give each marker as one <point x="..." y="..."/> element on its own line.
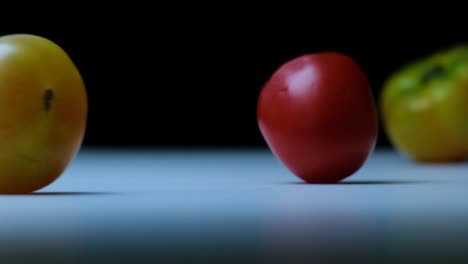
<point x="318" y="116"/>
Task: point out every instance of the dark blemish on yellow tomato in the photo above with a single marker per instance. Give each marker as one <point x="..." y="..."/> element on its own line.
<point x="432" y="73"/>
<point x="47" y="98"/>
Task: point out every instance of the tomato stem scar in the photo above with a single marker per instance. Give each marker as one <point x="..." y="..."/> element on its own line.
<point x="432" y="73"/>
<point x="47" y="98"/>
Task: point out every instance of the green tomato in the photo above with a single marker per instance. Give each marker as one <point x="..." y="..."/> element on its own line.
<point x="424" y="107"/>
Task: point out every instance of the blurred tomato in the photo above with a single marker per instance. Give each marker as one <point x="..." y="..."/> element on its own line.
<point x="424" y="106"/>
<point x="318" y="116"/>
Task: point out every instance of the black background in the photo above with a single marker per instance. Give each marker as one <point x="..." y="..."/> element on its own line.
<point x="193" y="80"/>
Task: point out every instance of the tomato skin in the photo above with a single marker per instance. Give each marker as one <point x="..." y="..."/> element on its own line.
<point x="43" y="112"/>
<point x="318" y="116"/>
<point x="424" y="105"/>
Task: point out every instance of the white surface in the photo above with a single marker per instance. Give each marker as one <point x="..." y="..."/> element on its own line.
<point x="238" y="206"/>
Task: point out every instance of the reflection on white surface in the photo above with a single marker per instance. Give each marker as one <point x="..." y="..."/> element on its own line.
<point x="244" y="204"/>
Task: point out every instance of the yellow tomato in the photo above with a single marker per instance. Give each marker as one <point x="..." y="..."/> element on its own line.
<point x="43" y="112"/>
<point x="424" y="107"/>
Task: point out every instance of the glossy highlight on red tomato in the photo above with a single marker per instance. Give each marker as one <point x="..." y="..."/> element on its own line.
<point x="318" y="116"/>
